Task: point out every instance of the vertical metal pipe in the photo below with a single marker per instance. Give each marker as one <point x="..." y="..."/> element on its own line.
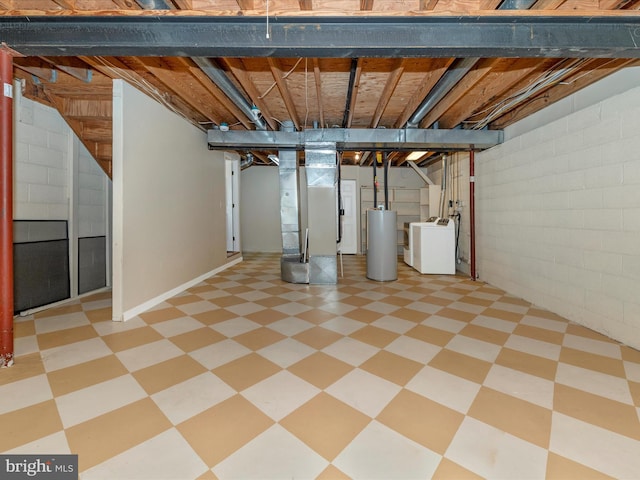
<point x="375" y="184"/>
<point x="472" y="213"/>
<point x="6" y="209"/>
<point x="386" y="182"/>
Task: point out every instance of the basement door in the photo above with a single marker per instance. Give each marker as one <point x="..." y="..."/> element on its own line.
<point x="349" y="243"/>
<point x="232" y="192"/>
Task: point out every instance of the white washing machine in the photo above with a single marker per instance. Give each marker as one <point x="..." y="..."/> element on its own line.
<point x="434" y="246"/>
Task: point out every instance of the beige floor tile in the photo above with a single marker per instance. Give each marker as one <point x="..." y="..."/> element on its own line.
<point x="270" y="302"/>
<point x="196" y="339"/>
<point x="23" y="328"/>
<point x="259" y="338"/>
<point x="103" y="437"/>
<point x="482" y="302"/>
<point x="396" y="301"/>
<point x="603" y="412"/>
<point x="99" y="314"/>
<point x="221" y="430"/>
<point x="541" y="334"/>
<point x="332" y="473"/>
<point x="503" y="314"/>
<point x="76" y="377"/>
<point x="227" y="301"/>
<point x="208" y="475"/>
<point x="24" y="366"/>
<point x="630" y="354"/>
<point x="431" y="335"/>
<point x="542" y="313"/>
<point x="355" y="301"/>
<point x="461" y="365"/>
<point x="433" y="299"/>
<point x="63" y="310"/>
<point x="214" y="316"/>
<point x="456" y="314"/>
<point x="239" y="289"/>
<point x="515" y="416"/>
<point x="392" y="367"/>
<point x="363" y="315"/>
<point x="325" y="424"/>
<point x="375" y="336"/>
<point x="167" y="374"/>
<point x="422" y="420"/>
<point x="320" y="369"/>
<point x="591" y="361"/>
<point x="121" y="341"/>
<point x="448" y="470"/>
<point x="317" y="337"/>
<point x="266" y="317"/>
<point x="28" y="424"/>
<point x="65" y="337"/>
<point x="184" y="299"/>
<point x="527" y="363"/>
<point x="201" y="289"/>
<point x="161" y="315"/>
<point x="246" y="371"/>
<point x="581" y="331"/>
<point x="410" y="314"/>
<point x="634" y="389"/>
<point x="316" y="316"/>
<point x="485" y="334"/>
<point x="561" y="468"/>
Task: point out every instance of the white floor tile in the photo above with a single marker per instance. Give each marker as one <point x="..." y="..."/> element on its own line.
<point x="381" y="453"/>
<point x="443" y="323"/>
<point x="468" y="307"/>
<point x="148" y="354"/>
<point x="25" y="345"/>
<point x="253" y="295"/>
<point x="608" y="386"/>
<point x="474" y="348"/>
<point x="286" y="352"/>
<point x="174" y="327"/>
<point x="24" y="393"/>
<point x="494" y="323"/>
<point x="430" y="308"/>
<point x="213" y="356"/>
<point x="291" y="326"/>
<point x="393" y="324"/>
<point x="51" y="444"/>
<point x="61" y="322"/>
<point x="109" y="326"/>
<point x="235" y="327"/>
<point x="632" y="371"/>
<point x="413" y="349"/>
<point x="280" y="394"/>
<point x="492" y="453"/>
<point x="74" y="354"/>
<point x="343" y="325"/>
<point x="195" y="307"/>
<point x="167" y="456"/>
<point x="442" y="387"/>
<point x="521" y="385"/>
<point x="191" y="397"/>
<point x="545" y="323"/>
<point x="381" y="307"/>
<point x="600" y="449"/>
<point x="243" y="309"/>
<point x="292" y="308"/>
<point x="533" y="347"/>
<point x="351" y="351"/>
<point x="275" y="454"/>
<point x="337" y="308"/>
<point x="593" y="346"/>
<point x="363" y="391"/>
<point x="93" y="401"/>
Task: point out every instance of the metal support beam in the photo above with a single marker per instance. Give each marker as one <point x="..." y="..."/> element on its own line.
<point x="6" y="209"/>
<point x="169" y="33"/>
<point x="354" y="139"/>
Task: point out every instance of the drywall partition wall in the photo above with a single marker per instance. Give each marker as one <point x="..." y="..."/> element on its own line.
<point x="559" y="212"/>
<point x="260" y="210"/>
<point x="168" y="202"/>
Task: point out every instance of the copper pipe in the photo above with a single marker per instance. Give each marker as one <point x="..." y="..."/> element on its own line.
<point x="6" y="209"/>
<point x="472" y="213"/>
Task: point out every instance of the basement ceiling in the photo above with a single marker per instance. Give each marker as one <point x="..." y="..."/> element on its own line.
<point x="368" y="64"/>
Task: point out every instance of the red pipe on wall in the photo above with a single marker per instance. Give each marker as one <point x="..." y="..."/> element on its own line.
<point x="6" y="209"/>
<point x="472" y="213"/>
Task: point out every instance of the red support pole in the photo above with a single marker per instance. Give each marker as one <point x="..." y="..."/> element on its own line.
<point x="472" y="213"/>
<point x="6" y="208"/>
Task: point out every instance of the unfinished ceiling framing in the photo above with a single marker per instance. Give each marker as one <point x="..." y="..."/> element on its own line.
<point x="369" y="64"/>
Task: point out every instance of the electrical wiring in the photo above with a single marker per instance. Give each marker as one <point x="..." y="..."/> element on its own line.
<point x="283" y="76"/>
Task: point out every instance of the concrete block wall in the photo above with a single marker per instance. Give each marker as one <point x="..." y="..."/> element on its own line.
<point x="558" y="209"/>
<point x="41" y="162"/>
<point x="92" y="196"/>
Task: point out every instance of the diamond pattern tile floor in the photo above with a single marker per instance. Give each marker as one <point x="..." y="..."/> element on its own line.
<point x="246" y="376"/>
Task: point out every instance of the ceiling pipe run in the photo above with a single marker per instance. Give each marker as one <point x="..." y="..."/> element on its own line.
<point x="456" y="72"/>
<point x="214" y="72"/>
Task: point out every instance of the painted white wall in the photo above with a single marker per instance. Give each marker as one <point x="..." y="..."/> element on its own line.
<point x="42" y="153"/>
<point x="559" y="210"/>
<point x="168" y="202"/>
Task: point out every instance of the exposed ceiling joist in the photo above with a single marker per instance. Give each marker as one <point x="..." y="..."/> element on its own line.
<point x="167" y="34"/>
